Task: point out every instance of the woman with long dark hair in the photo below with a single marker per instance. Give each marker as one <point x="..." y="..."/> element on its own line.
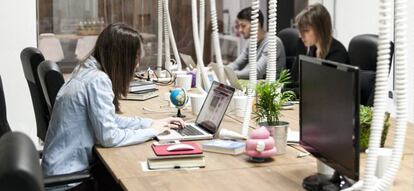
<point x="316" y="40"/>
<point x="315" y="27"/>
<point x="87" y="107"/>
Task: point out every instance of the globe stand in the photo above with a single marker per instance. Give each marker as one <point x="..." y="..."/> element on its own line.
<point x="179" y="114"/>
<point x="179" y="98"/>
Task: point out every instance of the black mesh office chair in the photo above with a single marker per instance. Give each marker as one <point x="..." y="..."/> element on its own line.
<point x="4" y="124"/>
<point x="51" y="80"/>
<point x="19" y="169"/>
<point x="362" y="52"/>
<point x="289" y="38"/>
<point x="31" y="58"/>
<point x="293" y="47"/>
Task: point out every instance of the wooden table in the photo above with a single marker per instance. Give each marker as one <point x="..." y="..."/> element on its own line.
<point x="222" y="172"/>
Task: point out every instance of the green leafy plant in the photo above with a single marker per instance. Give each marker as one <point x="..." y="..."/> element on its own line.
<point x="270" y="99"/>
<point x="365" y="120"/>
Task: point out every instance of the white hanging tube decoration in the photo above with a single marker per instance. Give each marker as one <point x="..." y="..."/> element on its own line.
<point x="271" y="62"/>
<point x="202" y="79"/>
<point x="202" y="23"/>
<point x="370" y="181"/>
<point x="216" y="40"/>
<point x="380" y="96"/>
<point x="252" y="65"/>
<point x="171" y="36"/>
<point x="160" y="30"/>
<point x="401" y="77"/>
<point x="166" y="39"/>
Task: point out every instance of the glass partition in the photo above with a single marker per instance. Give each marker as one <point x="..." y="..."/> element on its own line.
<point x="68" y="29"/>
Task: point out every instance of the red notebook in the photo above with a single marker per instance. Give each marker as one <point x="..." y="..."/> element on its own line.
<point x="161" y="150"/>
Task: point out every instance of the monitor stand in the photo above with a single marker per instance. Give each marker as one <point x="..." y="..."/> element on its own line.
<point x="323" y="182"/>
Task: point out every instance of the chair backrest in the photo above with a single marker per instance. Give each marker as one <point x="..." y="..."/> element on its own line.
<point x="363" y="49"/>
<point x="51" y="80"/>
<point x="362" y="52"/>
<point x="290" y="38"/>
<point x="31" y="58"/>
<point x="20" y="169"/>
<point x="84" y="46"/>
<point x="51" y="47"/>
<point x="4" y="124"/>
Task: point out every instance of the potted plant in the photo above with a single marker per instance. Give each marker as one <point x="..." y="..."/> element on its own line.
<point x="365" y="120"/>
<point x="268" y="107"/>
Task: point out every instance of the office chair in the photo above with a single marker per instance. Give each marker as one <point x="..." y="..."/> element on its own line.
<point x="362" y="52"/>
<point x="31" y="58"/>
<point x="289" y="38"/>
<point x="293" y="47"/>
<point x="20" y="168"/>
<point x="4" y="124"/>
<point x="84" y="46"/>
<point x="50" y="46"/>
<point x="51" y="80"/>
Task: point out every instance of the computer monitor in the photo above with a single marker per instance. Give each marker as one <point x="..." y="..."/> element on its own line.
<point x="329" y="114"/>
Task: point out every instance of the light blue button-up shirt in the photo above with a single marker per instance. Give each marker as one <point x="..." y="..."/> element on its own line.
<point x="84" y="115"/>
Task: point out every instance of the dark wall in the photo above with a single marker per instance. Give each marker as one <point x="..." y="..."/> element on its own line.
<point x="287" y="11"/>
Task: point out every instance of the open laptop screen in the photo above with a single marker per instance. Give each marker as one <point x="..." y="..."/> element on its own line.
<point x="214" y="107"/>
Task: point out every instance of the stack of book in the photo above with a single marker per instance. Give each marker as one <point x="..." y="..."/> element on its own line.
<point x="179" y="158"/>
<point x="224" y="146"/>
<point x="141" y="90"/>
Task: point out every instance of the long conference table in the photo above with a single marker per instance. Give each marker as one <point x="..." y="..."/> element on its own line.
<point x="223" y="172"/>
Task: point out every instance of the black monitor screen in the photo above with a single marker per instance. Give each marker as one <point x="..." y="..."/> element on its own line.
<point x="329" y="113"/>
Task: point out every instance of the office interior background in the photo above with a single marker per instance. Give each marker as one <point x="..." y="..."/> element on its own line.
<point x="29" y="23"/>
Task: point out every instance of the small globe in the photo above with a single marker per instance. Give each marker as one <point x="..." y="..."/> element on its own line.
<point x="178" y="97"/>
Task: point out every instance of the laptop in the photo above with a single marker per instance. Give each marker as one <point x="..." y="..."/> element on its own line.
<point x="208" y="121"/>
<point x="229" y="75"/>
<point x="232" y="77"/>
<point x="188" y="61"/>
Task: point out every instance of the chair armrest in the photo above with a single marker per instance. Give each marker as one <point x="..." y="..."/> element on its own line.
<point x="40" y="152"/>
<point x="64" y="179"/>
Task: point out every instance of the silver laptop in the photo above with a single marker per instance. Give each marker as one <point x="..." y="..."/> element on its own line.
<point x="232" y="77"/>
<point x="229" y="75"/>
<point x="188" y="61"/>
<point x="208" y="120"/>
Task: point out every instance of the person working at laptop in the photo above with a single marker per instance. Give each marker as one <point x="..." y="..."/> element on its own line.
<point x="240" y="65"/>
<point x="87" y="107"/>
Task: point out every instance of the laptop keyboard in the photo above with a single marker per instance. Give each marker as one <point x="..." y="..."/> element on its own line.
<point x="189" y="130"/>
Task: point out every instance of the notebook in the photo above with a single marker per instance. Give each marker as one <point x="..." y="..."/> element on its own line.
<point x="140" y="85"/>
<point x="141" y="95"/>
<point x="224" y="146"/>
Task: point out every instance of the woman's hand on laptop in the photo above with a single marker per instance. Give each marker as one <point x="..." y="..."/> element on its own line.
<point x="162" y="125"/>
